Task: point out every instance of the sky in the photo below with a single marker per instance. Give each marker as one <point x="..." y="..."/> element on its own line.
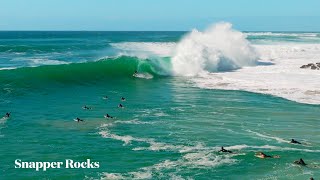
<point x="159" y="15"/>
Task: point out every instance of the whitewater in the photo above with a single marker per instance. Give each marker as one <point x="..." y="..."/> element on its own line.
<point x="222" y="58"/>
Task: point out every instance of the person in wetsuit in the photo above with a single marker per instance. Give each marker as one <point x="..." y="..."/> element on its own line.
<point x="294" y="141"/>
<point x="78" y="119"/>
<point x="300" y="162"/>
<point x="8" y="114"/>
<point x="86" y="107"/>
<point x="224" y="150"/>
<point x="108" y="116"/>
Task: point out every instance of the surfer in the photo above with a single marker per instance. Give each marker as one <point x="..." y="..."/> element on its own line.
<point x="263" y="155"/>
<point x="108" y="116"/>
<point x="123" y="99"/>
<point x="294" y="141"/>
<point x="78" y="119"/>
<point x="135" y="73"/>
<point x="120" y="106"/>
<point x="86" y="107"/>
<point x="105" y="97"/>
<point x="300" y="162"/>
<point x="224" y="150"/>
<point x="7" y="114"/>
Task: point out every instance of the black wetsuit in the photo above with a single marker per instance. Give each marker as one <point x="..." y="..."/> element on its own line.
<point x="78" y="119"/>
<point x="86" y="107"/>
<point x="300" y="162"/>
<point x="224" y="150"/>
<point x="294" y="141"/>
<point x="109" y="116"/>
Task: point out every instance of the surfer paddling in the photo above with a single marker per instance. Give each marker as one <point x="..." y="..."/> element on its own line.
<point x="300" y="162"/>
<point x="7" y="115"/>
<point x="263" y="155"/>
<point x="86" y="107"/>
<point x="105" y="97"/>
<point x="224" y="150"/>
<point x="135" y="73"/>
<point x="120" y="106"/>
<point x="107" y="116"/>
<point x="294" y="142"/>
<point x="78" y="119"/>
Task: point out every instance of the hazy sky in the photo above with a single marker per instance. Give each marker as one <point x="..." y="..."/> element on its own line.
<point x="257" y="15"/>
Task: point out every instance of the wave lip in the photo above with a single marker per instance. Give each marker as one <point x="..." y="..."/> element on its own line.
<point x="219" y="48"/>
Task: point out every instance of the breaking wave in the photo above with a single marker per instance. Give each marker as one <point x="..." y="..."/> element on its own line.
<point x="219" y="48"/>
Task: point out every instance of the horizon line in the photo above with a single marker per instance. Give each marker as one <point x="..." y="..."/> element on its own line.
<point x="300" y="31"/>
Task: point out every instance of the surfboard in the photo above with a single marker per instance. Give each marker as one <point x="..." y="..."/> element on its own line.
<point x="260" y="156"/>
<point x="143" y="76"/>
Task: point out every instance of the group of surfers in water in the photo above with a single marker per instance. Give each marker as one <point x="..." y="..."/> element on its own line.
<point x="223" y="150"/>
<point x="105" y="97"/>
<point x="105" y="116"/>
<point x="263" y="155"/>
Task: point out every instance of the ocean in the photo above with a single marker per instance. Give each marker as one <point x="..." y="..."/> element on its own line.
<point x="193" y="93"/>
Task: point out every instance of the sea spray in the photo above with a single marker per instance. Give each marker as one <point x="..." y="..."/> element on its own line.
<point x="219" y="48"/>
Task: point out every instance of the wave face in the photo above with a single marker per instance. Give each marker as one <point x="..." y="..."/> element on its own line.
<point x="219" y="48"/>
<point x="117" y="67"/>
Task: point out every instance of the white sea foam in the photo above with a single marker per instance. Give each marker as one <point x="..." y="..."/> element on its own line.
<point x="198" y="156"/>
<point x="143" y="75"/>
<point x="268" y="137"/>
<point x="38" y="62"/>
<point x="279" y="76"/>
<point x="3" y="120"/>
<point x="127" y="139"/>
<point x="202" y="159"/>
<point x="134" y="121"/>
<point x="8" y="68"/>
<point x="278" y="73"/>
<point x="145" y="49"/>
<point x="113" y="176"/>
<point x="156" y="112"/>
<point x="270" y="147"/>
<point x="153" y="145"/>
<point x="282" y="34"/>
<point x="218" y="48"/>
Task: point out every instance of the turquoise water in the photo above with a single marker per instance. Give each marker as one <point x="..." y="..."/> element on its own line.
<point x="169" y="128"/>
